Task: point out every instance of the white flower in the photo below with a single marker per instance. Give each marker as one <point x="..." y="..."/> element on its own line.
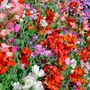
<point x="5" y="4"/>
<point x="29" y="81"/>
<point x="8" y="53"/>
<point x="38" y="86"/>
<point x="73" y="63"/>
<point x="72" y="71"/>
<point x="17" y="86"/>
<point x="43" y="23"/>
<point x="36" y="72"/>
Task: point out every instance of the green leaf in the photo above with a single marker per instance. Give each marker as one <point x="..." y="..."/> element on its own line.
<point x="2" y="87"/>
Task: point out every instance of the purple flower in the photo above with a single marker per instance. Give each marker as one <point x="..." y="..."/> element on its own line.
<point x="34" y="37"/>
<point x="34" y="54"/>
<point x="30" y="42"/>
<point x="11" y="40"/>
<point x="48" y="53"/>
<point x="88" y="66"/>
<point x="39" y="50"/>
<point x="65" y="31"/>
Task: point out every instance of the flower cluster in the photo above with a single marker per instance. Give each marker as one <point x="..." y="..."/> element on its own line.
<point x="30" y="81"/>
<point x="6" y="58"/>
<point x="44" y="45"/>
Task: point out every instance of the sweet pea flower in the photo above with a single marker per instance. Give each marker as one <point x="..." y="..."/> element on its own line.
<point x="39" y="50"/>
<point x="87" y="66"/>
<point x="15" y="48"/>
<point x="43" y="23"/>
<point x="2" y="15"/>
<point x="16" y="28"/>
<point x="16" y="86"/>
<point x="67" y="61"/>
<point x="45" y="1"/>
<point x="36" y="72"/>
<point x="72" y="62"/>
<point x="38" y="86"/>
<point x="11" y="40"/>
<point x="4" y="32"/>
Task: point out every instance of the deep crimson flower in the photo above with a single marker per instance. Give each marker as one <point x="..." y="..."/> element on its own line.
<point x="70" y="20"/>
<point x="24" y="60"/>
<point x="1" y="1"/>
<point x="24" y="56"/>
<point x="50" y="16"/>
<point x="73" y="4"/>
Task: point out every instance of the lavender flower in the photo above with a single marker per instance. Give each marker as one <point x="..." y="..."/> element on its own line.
<point x="34" y="37"/>
<point x="39" y="50"/>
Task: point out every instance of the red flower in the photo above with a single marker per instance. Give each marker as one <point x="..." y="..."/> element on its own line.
<point x="28" y="13"/>
<point x="4" y="62"/>
<point x="74" y="78"/>
<point x="85" y="54"/>
<point x="24" y="56"/>
<point x="3" y="70"/>
<point x="26" y="51"/>
<point x="24" y="60"/>
<point x="1" y="1"/>
<point x="21" y="1"/>
<point x="73" y="4"/>
<point x="70" y="20"/>
<point x="50" y="16"/>
<point x="11" y="63"/>
<point x="52" y="78"/>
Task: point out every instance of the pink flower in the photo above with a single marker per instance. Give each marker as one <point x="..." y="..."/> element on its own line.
<point x="78" y="83"/>
<point x="72" y="62"/>
<point x="16" y="28"/>
<point x="3" y="33"/>
<point x="11" y="40"/>
<point x="10" y="25"/>
<point x="67" y="61"/>
<point x="63" y="18"/>
<point x="27" y="6"/>
<point x="2" y="15"/>
<point x="15" y="48"/>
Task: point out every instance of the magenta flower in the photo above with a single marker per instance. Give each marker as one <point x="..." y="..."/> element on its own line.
<point x="11" y="40"/>
<point x="16" y="28"/>
<point x="15" y="48"/>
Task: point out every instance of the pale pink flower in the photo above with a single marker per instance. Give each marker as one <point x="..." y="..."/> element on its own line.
<point x="2" y="15"/>
<point x="3" y="33"/>
<point x="63" y="18"/>
<point x="9" y="54"/>
<point x="45" y="0"/>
